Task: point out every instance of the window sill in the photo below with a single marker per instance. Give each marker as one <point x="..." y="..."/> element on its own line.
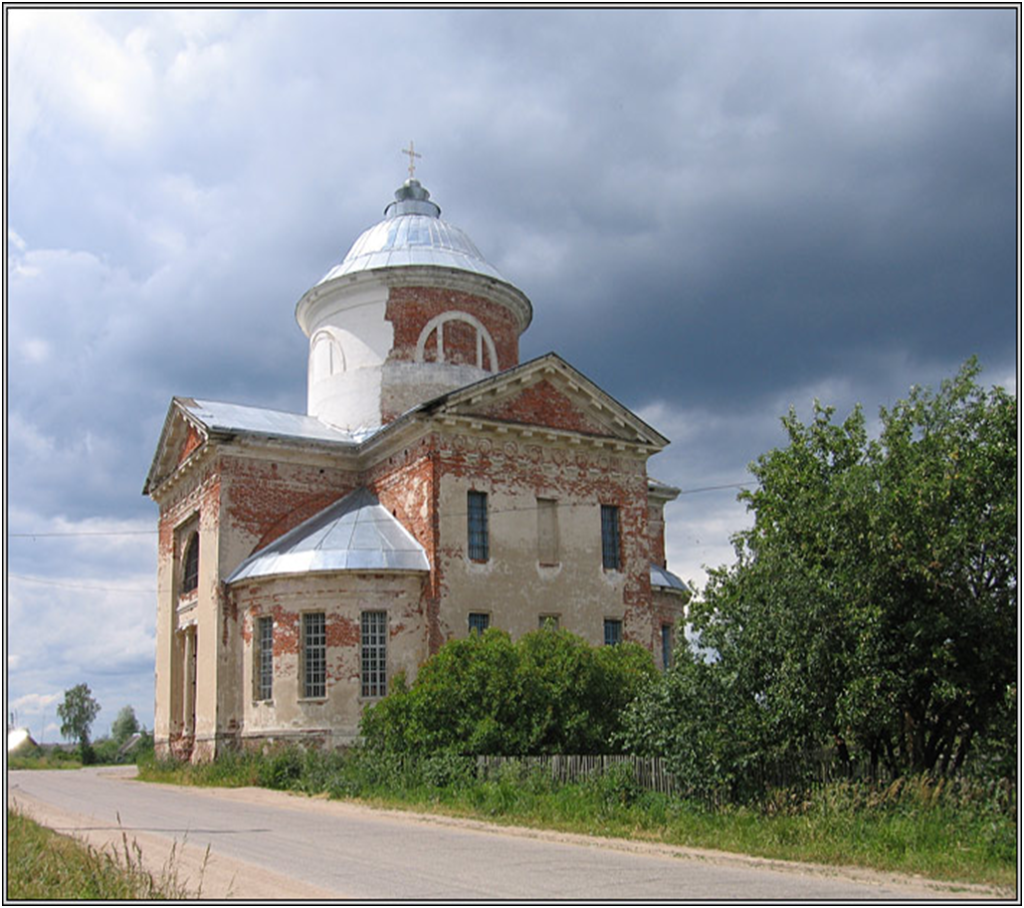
<point x="322" y="699"/>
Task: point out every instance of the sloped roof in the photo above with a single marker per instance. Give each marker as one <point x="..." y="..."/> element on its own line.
<point x="210" y="417"/>
<point x="354" y="534"/>
<point x="665" y="579"/>
<point x="218" y="418"/>
<point x="224" y="417"/>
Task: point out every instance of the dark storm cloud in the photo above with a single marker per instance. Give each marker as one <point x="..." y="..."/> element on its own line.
<point x="849" y="205"/>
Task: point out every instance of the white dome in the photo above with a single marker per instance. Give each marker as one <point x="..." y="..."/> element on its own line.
<point x="413" y="233"/>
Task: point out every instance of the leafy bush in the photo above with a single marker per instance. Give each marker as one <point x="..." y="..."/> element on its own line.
<point x="616" y="786"/>
<point x="444" y="769"/>
<point x="549" y="692"/>
<point x="872" y="608"/>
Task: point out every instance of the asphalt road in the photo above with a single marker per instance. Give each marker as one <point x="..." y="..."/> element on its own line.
<point x="273" y="845"/>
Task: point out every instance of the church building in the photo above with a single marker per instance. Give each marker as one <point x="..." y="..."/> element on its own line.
<point x="435" y="486"/>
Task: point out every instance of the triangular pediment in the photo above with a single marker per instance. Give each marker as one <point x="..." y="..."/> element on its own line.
<point x="180" y="437"/>
<point x="548" y="393"/>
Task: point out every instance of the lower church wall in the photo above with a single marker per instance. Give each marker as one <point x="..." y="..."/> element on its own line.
<point x="331" y="719"/>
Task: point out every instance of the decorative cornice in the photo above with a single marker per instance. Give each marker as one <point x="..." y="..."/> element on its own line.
<point x="483" y="425"/>
<point x="491" y="289"/>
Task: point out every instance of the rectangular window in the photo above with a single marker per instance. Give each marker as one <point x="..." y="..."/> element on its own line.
<point x="610" y="537"/>
<point x="374" y="637"/>
<point x="612" y="631"/>
<point x="314" y="655"/>
<point x="479" y="622"/>
<point x="478" y="542"/>
<point x="550" y="622"/>
<point x="666" y="645"/>
<point x="264" y="674"/>
<point x="547" y="531"/>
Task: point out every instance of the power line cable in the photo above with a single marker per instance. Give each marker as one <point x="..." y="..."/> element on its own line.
<point x="80" y="586"/>
<point x="85" y="533"/>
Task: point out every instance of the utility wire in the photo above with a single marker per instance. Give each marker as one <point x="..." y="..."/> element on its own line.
<point x="80" y="586"/>
<point x="731" y="485"/>
<point x="86" y="533"/>
<point x="452" y="513"/>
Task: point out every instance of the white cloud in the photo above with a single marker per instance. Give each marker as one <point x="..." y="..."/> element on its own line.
<point x="29" y="437"/>
<point x="34" y="702"/>
<point x="36" y="350"/>
<point x="15" y="240"/>
<point x="67" y="68"/>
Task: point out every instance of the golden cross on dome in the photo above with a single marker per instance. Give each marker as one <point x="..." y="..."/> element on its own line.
<point x="413" y="154"/>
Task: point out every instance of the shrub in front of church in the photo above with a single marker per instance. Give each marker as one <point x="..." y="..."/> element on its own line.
<point x="548" y="692"/>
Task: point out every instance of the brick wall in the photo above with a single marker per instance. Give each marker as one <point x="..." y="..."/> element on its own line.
<point x="409" y="309"/>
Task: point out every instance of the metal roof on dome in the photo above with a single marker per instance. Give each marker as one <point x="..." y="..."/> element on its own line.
<point x="413" y="233"/>
<point x="356" y="533"/>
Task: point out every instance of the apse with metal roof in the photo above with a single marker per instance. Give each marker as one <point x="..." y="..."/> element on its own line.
<point x="412" y="311"/>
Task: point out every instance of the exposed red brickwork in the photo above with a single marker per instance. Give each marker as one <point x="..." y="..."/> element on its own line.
<point x="410" y="308"/>
<point x="266" y="499"/>
<point x="192" y="441"/>
<point x="342" y="631"/>
<point x="342" y="598"/>
<point x="430" y="348"/>
<point x="543" y="404"/>
<point x="165" y="536"/>
<point x="407" y="486"/>
<point x="460" y="343"/>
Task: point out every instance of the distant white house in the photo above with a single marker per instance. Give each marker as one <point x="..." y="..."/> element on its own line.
<point x="18" y="738"/>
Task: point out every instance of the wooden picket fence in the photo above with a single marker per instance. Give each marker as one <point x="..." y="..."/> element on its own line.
<point x="649" y="772"/>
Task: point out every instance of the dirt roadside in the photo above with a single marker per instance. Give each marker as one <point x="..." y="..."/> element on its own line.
<point x="208" y="877"/>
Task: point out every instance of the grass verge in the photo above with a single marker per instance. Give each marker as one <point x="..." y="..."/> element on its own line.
<point x="959" y="832"/>
<point x="44" y="865"/>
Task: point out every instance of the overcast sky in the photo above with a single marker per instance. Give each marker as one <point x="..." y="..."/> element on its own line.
<point x="716" y="213"/>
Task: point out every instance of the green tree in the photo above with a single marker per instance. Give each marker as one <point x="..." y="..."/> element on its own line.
<point x="77" y="712"/>
<point x="548" y="692"/>
<point x="872" y="607"/>
<point x="124" y="726"/>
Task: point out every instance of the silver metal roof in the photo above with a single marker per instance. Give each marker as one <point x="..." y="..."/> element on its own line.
<point x="413" y="233"/>
<point x="664" y="578"/>
<point x="354" y="534"/>
<point x="656" y="485"/>
<point x="223" y="417"/>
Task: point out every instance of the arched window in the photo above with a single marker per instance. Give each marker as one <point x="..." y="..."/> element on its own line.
<point x="327" y="357"/>
<point x="190" y="566"/>
<point x="457" y="338"/>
